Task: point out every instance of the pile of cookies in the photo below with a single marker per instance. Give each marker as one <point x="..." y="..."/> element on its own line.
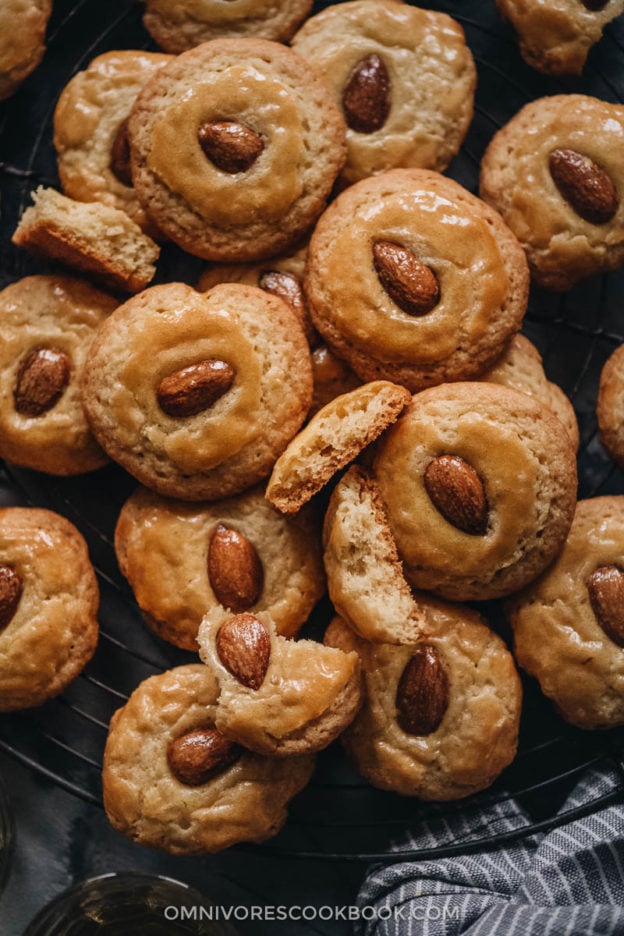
<point x="361" y="311"/>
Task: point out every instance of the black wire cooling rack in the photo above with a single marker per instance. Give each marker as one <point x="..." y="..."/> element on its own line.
<point x="339" y="816"/>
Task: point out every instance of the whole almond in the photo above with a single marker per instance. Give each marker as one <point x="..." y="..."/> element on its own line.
<point x="366" y="95"/>
<point x="422" y="696"/>
<point x="457" y="491"/>
<point x="231" y="146"/>
<point x="11" y="587"/>
<point x="194" y="389"/>
<point x="587" y="188"/>
<point x="42" y="378"/>
<point x="234" y="569"/>
<point x="244" y="648"/>
<point x="606" y="594"/>
<point x="409" y="282"/>
<point x="120" y="155"/>
<point x="286" y="286"/>
<point x="197" y="756"/>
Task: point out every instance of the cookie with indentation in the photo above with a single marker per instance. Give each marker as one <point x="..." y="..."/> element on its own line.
<point x="610" y="408"/>
<point x="196" y="394"/>
<point x="410" y="278"/>
<point x="235" y="147"/>
<point x="172" y="781"/>
<point x="182" y="560"/>
<point x="479" y="485"/>
<point x="48" y="606"/>
<point x="22" y="41"/>
<point x="569" y="625"/>
<point x="440" y="716"/>
<point x="278" y="696"/>
<point x="555" y="173"/>
<point x="403" y="77"/>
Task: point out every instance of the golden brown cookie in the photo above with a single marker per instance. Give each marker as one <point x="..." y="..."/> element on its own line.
<point x="440" y="717"/>
<point x="184" y="559"/>
<point x="479" y="484"/>
<point x="555" y="172"/>
<point x="196" y="394"/>
<point x="235" y="148"/>
<point x="48" y="323"/>
<point x="172" y="781"/>
<point x="22" y="40"/>
<point x="410" y="278"/>
<point x="332" y="377"/>
<point x="403" y="77"/>
<point x="48" y="606"/>
<point x="610" y="410"/>
<point x="569" y="625"/>
<point x="278" y="696"/>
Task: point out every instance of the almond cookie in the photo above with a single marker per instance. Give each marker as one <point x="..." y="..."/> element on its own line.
<point x="569" y="625"/>
<point x="48" y="323"/>
<point x="440" y="717"/>
<point x="555" y="172"/>
<point x="434" y="286"/>
<point x="235" y="147"/>
<point x="610" y="410"/>
<point x="278" y="696"/>
<point x="178" y="25"/>
<point x="90" y="237"/>
<point x="196" y="394"/>
<point x="22" y="40"/>
<point x="333" y="437"/>
<point x="555" y="37"/>
<point x="332" y="377"/>
<point x="48" y="606"/>
<point x="172" y="781"/>
<point x="183" y="559"/>
<point x="90" y="130"/>
<point x="403" y="77"/>
<point x="479" y="484"/>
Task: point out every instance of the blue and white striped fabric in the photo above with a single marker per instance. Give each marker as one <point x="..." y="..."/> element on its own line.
<point x="569" y="882"/>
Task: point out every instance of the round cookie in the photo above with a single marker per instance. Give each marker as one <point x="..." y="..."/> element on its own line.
<point x="172" y="782"/>
<point x="48" y="323"/>
<point x="440" y="717"/>
<point x="569" y="625"/>
<point x="235" y="147"/>
<point x="89" y="130"/>
<point x="48" y="606"/>
<point x="555" y="172"/>
<point x="178" y="25"/>
<point x="183" y="559"/>
<point x="410" y="278"/>
<point x="555" y="37"/>
<point x="196" y="394"/>
<point x="332" y="377"/>
<point x="22" y="40"/>
<point x="610" y="409"/>
<point x="403" y="77"/>
<point x="479" y="484"/>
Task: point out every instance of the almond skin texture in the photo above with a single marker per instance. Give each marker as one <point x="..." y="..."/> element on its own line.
<point x="244" y="648"/>
<point x="585" y="186"/>
<point x="197" y="756"/>
<point x="120" y="155"/>
<point x="409" y="282"/>
<point x="423" y="693"/>
<point x="231" y="146"/>
<point x="11" y="587"/>
<point x="606" y="594"/>
<point x="457" y="491"/>
<point x="234" y="569"/>
<point x="366" y="96"/>
<point x="284" y="285"/>
<point x="42" y="378"/>
<point x="194" y="389"/>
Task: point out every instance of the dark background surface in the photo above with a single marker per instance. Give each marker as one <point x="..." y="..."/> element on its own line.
<point x="50" y="757"/>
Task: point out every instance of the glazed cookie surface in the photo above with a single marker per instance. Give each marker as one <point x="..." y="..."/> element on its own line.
<point x="479" y="484"/>
<point x="410" y="278"/>
<point x="610" y="410"/>
<point x="22" y="40"/>
<point x="569" y="625"/>
<point x="48" y="323"/>
<point x="183" y="559"/>
<point x="555" y="172"/>
<point x="235" y="148"/>
<point x="171" y="781"/>
<point x="196" y="394"/>
<point x="403" y="77"/>
<point x="48" y="606"/>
